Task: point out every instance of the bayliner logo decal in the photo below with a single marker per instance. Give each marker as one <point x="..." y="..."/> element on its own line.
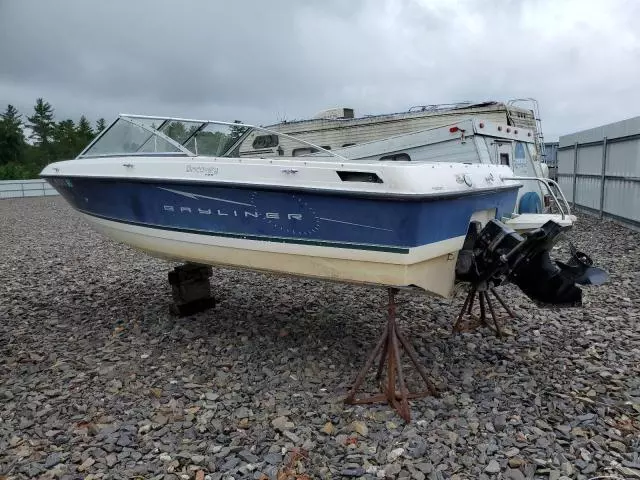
<point x="202" y="169"/>
<point x="226" y="213"/>
<point x="300" y="218"/>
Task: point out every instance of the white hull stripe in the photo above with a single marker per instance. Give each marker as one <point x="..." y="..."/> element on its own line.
<point x="414" y="255"/>
<point x="302" y="241"/>
<point x="430" y="267"/>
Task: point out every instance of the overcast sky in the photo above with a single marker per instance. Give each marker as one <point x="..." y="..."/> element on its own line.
<point x="266" y="60"/>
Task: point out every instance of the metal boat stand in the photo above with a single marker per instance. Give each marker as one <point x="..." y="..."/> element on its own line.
<point x="482" y="292"/>
<point x="389" y="347"/>
<point x="191" y="289"/>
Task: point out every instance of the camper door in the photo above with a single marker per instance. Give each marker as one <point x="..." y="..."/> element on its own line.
<point x="517" y="157"/>
<point x="503" y="152"/>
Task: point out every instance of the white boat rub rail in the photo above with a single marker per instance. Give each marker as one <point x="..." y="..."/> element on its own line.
<point x="395" y="181"/>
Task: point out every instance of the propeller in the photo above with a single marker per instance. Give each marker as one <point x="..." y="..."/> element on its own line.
<point x="580" y="267"/>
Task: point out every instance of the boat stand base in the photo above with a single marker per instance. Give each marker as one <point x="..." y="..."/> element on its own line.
<point x="191" y="289"/>
<point x="481" y="320"/>
<point x="389" y="349"/>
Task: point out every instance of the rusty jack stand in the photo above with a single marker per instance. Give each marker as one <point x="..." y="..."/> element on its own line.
<point x="467" y="308"/>
<point x="388" y="345"/>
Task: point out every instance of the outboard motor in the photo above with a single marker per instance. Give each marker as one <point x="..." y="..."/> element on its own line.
<point x="497" y="254"/>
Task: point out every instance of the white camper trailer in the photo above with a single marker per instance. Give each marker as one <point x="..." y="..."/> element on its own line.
<point x="338" y="129"/>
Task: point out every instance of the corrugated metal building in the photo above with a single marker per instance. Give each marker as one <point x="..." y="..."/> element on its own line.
<point x="551" y="158"/>
<point x="599" y="170"/>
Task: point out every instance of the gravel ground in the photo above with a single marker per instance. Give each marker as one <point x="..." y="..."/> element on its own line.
<point x="98" y="380"/>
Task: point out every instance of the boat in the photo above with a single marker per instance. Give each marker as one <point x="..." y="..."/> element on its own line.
<point x="421" y="211"/>
<point x="180" y="189"/>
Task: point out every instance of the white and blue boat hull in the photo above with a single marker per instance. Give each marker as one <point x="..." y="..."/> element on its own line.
<point x="359" y="237"/>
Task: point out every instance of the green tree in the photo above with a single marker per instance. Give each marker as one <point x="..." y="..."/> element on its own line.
<point x="100" y="125"/>
<point x="52" y="140"/>
<point x="236" y="131"/>
<point x="176" y="131"/>
<point x="12" y="142"/>
<point x="84" y="133"/>
<point x="65" y="138"/>
<point x="41" y="123"/>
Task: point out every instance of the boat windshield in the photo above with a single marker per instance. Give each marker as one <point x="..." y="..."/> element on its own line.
<point x="143" y="135"/>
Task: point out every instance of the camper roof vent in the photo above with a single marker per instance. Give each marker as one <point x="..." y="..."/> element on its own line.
<point x="335" y="113"/>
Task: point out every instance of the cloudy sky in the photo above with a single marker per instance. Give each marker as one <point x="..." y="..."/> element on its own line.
<point x="266" y="60"/>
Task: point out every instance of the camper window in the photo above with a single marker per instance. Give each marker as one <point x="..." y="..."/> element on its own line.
<point x="397" y="157"/>
<point x="265" y="141"/>
<point x="298" y="152"/>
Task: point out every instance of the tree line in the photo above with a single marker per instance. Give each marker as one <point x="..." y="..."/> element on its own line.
<point x="51" y="140"/>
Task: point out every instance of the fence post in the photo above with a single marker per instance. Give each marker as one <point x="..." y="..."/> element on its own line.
<point x="603" y="175"/>
<point x="575" y="172"/>
<point x="22" y="189"/>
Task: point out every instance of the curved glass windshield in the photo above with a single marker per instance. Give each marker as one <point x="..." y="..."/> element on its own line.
<point x="124" y="137"/>
<point x="217" y="140"/>
<point x="139" y="135"/>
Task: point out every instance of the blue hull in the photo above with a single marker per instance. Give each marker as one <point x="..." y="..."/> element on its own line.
<point x="337" y="220"/>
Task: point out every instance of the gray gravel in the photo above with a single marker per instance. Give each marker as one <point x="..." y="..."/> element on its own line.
<point x="98" y="380"/>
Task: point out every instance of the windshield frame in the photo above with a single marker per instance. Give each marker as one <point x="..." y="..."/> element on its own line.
<point x="183" y="150"/>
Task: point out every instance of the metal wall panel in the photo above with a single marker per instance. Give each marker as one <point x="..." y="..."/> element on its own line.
<point x="588" y="192"/>
<point x="566" y="184"/>
<point x="551" y="153"/>
<point x="619" y="197"/>
<point x="623" y="128"/>
<point x="590" y="160"/>
<point x="586" y="136"/>
<point x="565" y="161"/>
<point x="623" y="158"/>
<point x="622" y="199"/>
